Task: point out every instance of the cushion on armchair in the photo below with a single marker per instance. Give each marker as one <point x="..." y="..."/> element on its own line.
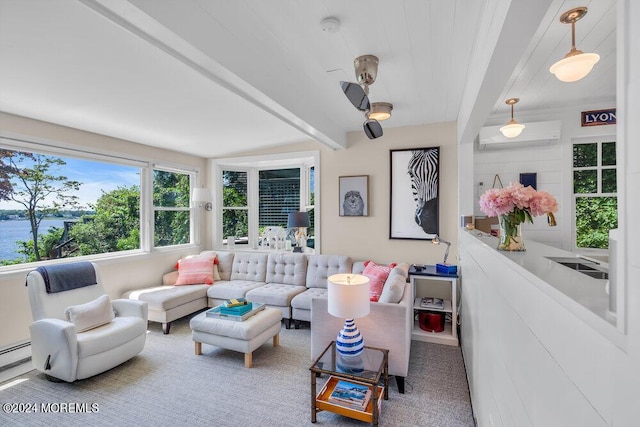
<point x="91" y="314"/>
<point x="377" y="275"/>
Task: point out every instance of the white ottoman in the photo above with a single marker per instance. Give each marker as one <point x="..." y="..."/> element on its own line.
<point x="244" y="337"/>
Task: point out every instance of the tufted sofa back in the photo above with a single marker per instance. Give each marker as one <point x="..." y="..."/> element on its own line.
<point x="287" y="268"/>
<point x="249" y="266"/>
<point x="320" y="267"/>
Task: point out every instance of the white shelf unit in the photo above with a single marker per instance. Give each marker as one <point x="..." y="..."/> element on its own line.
<point x="420" y="284"/>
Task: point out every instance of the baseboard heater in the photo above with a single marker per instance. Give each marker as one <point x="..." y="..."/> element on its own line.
<point x="15" y="355"/>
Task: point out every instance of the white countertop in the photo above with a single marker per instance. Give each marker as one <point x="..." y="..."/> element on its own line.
<point x="560" y="282"/>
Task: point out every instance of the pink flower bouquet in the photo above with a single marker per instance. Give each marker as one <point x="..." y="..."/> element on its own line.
<point x="515" y="205"/>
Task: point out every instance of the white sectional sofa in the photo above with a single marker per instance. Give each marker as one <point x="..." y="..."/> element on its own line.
<point x="296" y="284"/>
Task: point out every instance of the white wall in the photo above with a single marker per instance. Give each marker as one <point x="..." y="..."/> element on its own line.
<point x="551" y="163"/>
<point x="119" y="272"/>
<point x="368" y="237"/>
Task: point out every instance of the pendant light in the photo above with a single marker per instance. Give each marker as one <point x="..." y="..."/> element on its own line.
<point x="513" y="128"/>
<point x="576" y="64"/>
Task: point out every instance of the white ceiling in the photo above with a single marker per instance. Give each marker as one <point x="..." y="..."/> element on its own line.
<point x="217" y="77"/>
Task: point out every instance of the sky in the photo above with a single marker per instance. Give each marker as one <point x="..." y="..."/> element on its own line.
<point x="94" y="176"/>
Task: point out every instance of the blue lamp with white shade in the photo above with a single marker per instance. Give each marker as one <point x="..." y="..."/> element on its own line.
<point x="348" y="297"/>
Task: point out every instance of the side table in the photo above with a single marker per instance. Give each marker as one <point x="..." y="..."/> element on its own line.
<point x="370" y="368"/>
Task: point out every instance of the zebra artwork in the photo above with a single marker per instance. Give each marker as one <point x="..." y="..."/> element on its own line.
<point x="423" y="171"/>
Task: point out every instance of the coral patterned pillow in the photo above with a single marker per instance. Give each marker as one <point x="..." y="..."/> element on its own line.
<point x="216" y="262"/>
<point x="377" y="275"/>
<point x="195" y="271"/>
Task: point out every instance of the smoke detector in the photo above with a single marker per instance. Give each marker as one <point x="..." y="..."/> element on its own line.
<point x="330" y="25"/>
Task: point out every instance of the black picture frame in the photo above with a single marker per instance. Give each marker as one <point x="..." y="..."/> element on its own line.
<point x="414" y="193"/>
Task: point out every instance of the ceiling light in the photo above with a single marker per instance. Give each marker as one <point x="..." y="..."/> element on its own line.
<point x="513" y="128"/>
<point x="576" y="64"/>
<point x="380" y="111"/>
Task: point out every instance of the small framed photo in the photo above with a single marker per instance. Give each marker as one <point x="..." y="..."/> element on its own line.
<point x="354" y="195"/>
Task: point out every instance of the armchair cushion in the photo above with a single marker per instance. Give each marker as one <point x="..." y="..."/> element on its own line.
<point x="377" y="275"/>
<point x="393" y="289"/>
<point x="91" y="314"/>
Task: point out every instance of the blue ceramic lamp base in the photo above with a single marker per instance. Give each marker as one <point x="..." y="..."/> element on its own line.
<point x="349" y="342"/>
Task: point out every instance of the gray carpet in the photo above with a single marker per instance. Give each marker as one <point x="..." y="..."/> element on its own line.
<point x="168" y="385"/>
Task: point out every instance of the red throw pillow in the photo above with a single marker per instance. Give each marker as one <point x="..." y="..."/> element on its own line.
<point x="377" y="275"/>
<point x="195" y="271"/>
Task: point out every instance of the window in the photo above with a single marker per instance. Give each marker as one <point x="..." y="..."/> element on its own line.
<point x="63" y="203"/>
<point x="595" y="193"/>
<point x="279" y="194"/>
<point x="259" y="192"/>
<point x="235" y="210"/>
<point x="172" y="216"/>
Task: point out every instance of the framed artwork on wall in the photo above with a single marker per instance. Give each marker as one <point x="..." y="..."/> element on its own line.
<point x="415" y="182"/>
<point x="529" y="179"/>
<point x="354" y="195"/>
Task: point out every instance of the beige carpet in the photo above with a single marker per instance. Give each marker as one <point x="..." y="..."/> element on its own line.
<point x="167" y="385"/>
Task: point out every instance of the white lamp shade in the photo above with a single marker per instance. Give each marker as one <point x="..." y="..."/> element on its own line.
<point x="573" y="68"/>
<point x="200" y="195"/>
<point x="348" y="295"/>
<point x="512" y="130"/>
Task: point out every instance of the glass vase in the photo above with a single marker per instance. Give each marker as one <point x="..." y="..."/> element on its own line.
<point x="510" y="235"/>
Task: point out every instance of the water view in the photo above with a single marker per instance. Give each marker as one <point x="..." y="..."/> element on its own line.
<point x="13" y="230"/>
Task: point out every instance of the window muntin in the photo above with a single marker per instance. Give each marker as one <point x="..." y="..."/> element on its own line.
<point x="595" y="198"/>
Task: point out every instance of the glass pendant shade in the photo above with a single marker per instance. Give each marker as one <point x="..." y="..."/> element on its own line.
<point x="575" y="67"/>
<point x="512" y="129"/>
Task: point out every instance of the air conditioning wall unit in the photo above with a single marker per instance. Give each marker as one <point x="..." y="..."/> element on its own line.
<point x="534" y="134"/>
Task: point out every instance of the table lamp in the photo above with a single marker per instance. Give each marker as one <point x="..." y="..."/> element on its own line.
<point x="348" y="297"/>
<point x="299" y="220"/>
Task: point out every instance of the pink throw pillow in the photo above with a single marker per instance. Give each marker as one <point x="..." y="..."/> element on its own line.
<point x="195" y="271"/>
<point x="377" y="275"/>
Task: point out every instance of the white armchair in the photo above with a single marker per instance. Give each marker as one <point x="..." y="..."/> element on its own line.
<point x="73" y="349"/>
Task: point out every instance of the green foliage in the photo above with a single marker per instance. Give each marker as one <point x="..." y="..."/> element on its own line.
<point x="171" y="189"/>
<point x="115" y="226"/>
<point x="595" y="216"/>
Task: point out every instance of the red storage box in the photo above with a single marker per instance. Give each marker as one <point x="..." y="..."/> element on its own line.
<point x="431" y="321"/>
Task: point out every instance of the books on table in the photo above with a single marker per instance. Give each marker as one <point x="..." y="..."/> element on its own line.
<point x="428" y="302"/>
<point x="351" y="395"/>
<point x="217" y="313"/>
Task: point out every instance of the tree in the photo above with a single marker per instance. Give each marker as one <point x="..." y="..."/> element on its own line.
<point x="36" y="186"/>
<point x="171" y="190"/>
<point x="115" y="226"/>
<point x="7" y="170"/>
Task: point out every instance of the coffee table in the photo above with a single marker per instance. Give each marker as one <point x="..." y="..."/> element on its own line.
<point x="243" y="336"/>
<point x="370" y="368"/>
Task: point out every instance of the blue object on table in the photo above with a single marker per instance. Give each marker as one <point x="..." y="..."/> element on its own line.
<point x="447" y="268"/>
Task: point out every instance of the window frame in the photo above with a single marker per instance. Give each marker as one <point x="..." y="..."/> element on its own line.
<point x="146" y="167"/>
<point x="252" y="165"/>
<point x="599" y="140"/>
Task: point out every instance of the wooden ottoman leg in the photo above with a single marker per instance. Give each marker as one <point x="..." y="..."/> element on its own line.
<point x="276" y="340"/>
<point x="198" y="348"/>
<point x="248" y="360"/>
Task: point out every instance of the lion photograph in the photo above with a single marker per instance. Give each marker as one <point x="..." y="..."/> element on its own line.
<point x="353" y="204"/>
